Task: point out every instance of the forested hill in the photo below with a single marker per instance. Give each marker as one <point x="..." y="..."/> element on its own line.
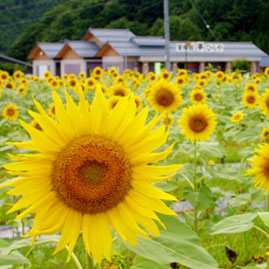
<point x="233" y="20"/>
<point x="16" y="15"/>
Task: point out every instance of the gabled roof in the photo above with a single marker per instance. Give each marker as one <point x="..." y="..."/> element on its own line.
<point x="148" y="41"/>
<point x="9" y="59"/>
<point x="83" y="49"/>
<point x="50" y="49"/>
<point x="106" y="35"/>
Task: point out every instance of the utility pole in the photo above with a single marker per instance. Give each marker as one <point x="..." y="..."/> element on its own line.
<point x="167" y="35"/>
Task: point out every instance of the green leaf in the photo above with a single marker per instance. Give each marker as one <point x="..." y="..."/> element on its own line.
<point x="240" y="199"/>
<point x="203" y="198"/>
<point x="13" y="258"/>
<point x="265" y="217"/>
<point x="211" y="148"/>
<point x="27" y="241"/>
<point x="178" y="244"/>
<point x="233" y="224"/>
<point x="143" y="263"/>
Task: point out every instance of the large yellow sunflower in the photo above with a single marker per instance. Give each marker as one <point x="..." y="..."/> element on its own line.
<point x="198" y="96"/>
<point x="93" y="170"/>
<point x="197" y="122"/>
<point x="165" y="96"/>
<point x="250" y="99"/>
<point x="11" y="112"/>
<point x="264" y="105"/>
<point x="260" y="168"/>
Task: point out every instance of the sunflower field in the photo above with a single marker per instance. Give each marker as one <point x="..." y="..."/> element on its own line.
<point x="135" y="170"/>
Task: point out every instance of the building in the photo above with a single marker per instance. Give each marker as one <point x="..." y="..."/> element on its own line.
<point x="5" y="59"/>
<point x="122" y="49"/>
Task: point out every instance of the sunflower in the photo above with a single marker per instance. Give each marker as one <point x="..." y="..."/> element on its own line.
<point x="97" y="72"/>
<point x="90" y="83"/>
<point x="11" y="112"/>
<point x="208" y="74"/>
<point x="260" y="168"/>
<point x="180" y="81"/>
<point x="237" y="117"/>
<point x="258" y="81"/>
<point x="52" y="110"/>
<point x="65" y="77"/>
<point x="264" y="105"/>
<point x="119" y="89"/>
<point x="72" y="82"/>
<point x="237" y="77"/>
<point x="4" y="75"/>
<point x="82" y="75"/>
<point x="197" y="122"/>
<point x="93" y="170"/>
<point x="198" y="96"/>
<point x="168" y="120"/>
<point x="54" y="84"/>
<point x="47" y="75"/>
<point x="182" y="72"/>
<point x="21" y="90"/>
<point x="266" y="71"/>
<point x="138" y="102"/>
<point x="250" y="99"/>
<point x="251" y="87"/>
<point x="113" y="101"/>
<point x="18" y="74"/>
<point x="165" y="75"/>
<point x="36" y="125"/>
<point x="120" y="79"/>
<point x="219" y="75"/>
<point x="165" y="96"/>
<point x="265" y="133"/>
<point x="9" y="85"/>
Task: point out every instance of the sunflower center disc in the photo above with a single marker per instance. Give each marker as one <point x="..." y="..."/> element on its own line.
<point x="119" y="92"/>
<point x="164" y="97"/>
<point x="266" y="169"/>
<point x="198" y="97"/>
<point x="92" y="174"/>
<point x="251" y="99"/>
<point x="10" y="112"/>
<point x="198" y="124"/>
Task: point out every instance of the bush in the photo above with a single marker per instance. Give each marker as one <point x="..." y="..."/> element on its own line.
<point x="11" y="68"/>
<point x="241" y="65"/>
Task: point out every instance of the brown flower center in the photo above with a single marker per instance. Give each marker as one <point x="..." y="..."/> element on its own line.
<point x="198" y="97"/>
<point x="119" y="92"/>
<point x="198" y="124"/>
<point x="251" y="99"/>
<point x="164" y="97"/>
<point x="266" y="169"/>
<point x="92" y="174"/>
<point x="10" y="112"/>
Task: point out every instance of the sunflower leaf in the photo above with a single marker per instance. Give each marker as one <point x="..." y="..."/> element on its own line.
<point x="179" y="244"/>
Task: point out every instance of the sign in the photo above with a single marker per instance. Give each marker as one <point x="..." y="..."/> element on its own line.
<point x="199" y="47"/>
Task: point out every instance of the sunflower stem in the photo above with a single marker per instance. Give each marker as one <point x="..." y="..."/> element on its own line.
<point x="261" y="230"/>
<point x="74" y="257"/>
<point x="166" y="121"/>
<point x="195" y="186"/>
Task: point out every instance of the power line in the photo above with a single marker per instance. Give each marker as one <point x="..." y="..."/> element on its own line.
<point x="203" y="20"/>
<point x="63" y="13"/>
